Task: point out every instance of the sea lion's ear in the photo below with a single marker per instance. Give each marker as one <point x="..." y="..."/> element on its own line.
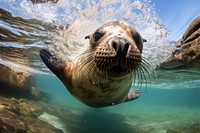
<point x="87" y="37"/>
<point x="144" y="40"/>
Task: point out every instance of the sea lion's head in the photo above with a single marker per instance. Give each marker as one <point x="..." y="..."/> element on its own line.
<point x="118" y="47"/>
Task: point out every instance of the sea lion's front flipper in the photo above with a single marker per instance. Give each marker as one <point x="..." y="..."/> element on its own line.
<point x="133" y="94"/>
<point x="56" y="65"/>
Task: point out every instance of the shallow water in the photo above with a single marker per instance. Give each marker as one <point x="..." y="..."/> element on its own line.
<point x="156" y="111"/>
<point x="170" y="100"/>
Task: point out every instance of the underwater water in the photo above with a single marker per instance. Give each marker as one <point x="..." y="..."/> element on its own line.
<point x="170" y="101"/>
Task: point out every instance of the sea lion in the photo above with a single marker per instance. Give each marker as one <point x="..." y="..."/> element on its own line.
<point x="103" y="74"/>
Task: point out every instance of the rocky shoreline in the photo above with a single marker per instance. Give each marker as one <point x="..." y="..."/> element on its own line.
<point x="187" y="52"/>
<point x="21" y="116"/>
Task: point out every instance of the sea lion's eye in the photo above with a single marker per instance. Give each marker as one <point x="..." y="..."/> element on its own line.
<point x="97" y="36"/>
<point x="138" y="41"/>
<point x="137" y="38"/>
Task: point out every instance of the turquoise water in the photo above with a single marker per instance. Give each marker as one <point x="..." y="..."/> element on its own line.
<point x="160" y="108"/>
<point x="171" y="100"/>
<point x="156" y="94"/>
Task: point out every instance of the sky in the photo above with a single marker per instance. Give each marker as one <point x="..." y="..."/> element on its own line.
<point x="176" y="15"/>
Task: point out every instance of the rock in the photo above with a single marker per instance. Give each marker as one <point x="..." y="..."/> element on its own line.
<point x="29" y="109"/>
<point x="187" y="53"/>
<point x="194" y="26"/>
<point x="43" y="1"/>
<point x="195" y="127"/>
<point x="21" y="116"/>
<point x="2" y="107"/>
<point x="37" y="126"/>
<point x="190" y="128"/>
<point x="37" y="94"/>
<point x="17" y="83"/>
<point x="52" y="120"/>
<point x="14" y="78"/>
<point x="11" y="123"/>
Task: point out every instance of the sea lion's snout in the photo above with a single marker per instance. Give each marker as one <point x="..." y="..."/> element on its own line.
<point x="118" y="54"/>
<point x="120" y="45"/>
<point x="123" y="59"/>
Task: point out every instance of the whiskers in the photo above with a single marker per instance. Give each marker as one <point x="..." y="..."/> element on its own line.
<point x="86" y="61"/>
<point x="142" y="73"/>
<point x="139" y="68"/>
<point x="87" y="64"/>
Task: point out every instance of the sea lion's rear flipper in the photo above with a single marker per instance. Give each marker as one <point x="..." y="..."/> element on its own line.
<point x="56" y="65"/>
<point x="133" y="94"/>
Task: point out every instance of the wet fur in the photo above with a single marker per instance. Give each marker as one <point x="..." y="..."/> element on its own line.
<point x="99" y="86"/>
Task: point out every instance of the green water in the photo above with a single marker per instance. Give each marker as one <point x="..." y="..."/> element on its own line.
<point x="156" y="111"/>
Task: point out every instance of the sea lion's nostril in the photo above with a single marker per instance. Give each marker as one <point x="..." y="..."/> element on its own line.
<point x="120" y="45"/>
<point x="126" y="46"/>
<point x="114" y="45"/>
